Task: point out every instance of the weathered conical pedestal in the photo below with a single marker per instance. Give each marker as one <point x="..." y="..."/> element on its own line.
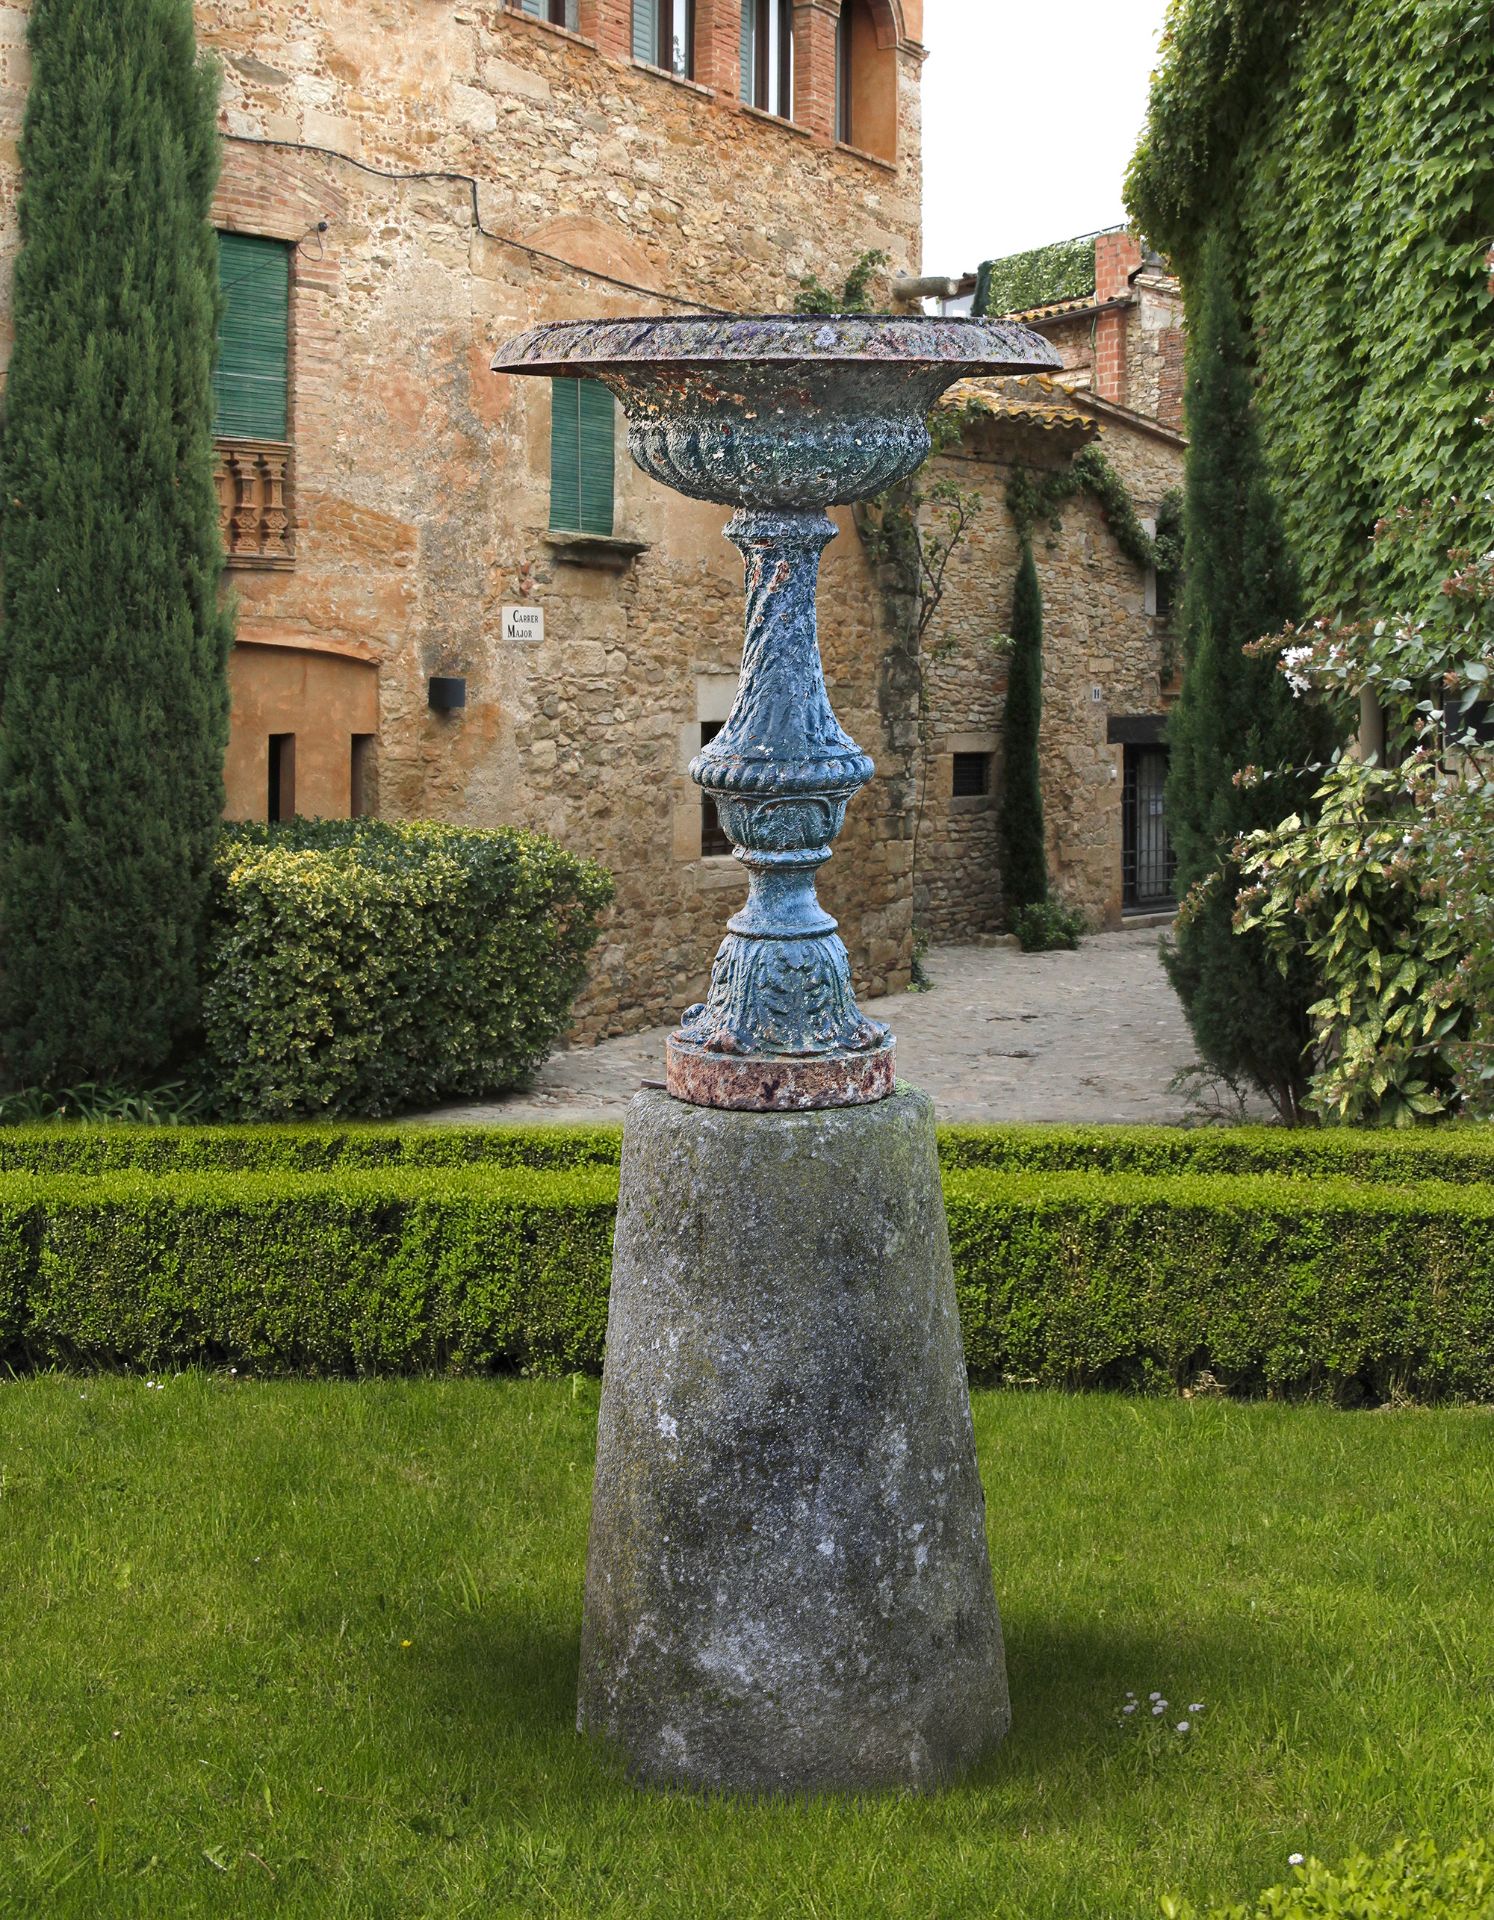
<point x="788" y="1587"/>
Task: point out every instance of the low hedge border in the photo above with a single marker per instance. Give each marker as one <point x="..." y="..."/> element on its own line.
<point x="1077" y="1280"/>
<point x="1457" y="1154"/>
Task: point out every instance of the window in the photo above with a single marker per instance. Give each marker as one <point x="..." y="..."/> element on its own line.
<point x="768" y="56"/>
<point x="712" y="839"/>
<point x="582" y="428"/>
<point x="560" y="13"/>
<point x="664" y="35"/>
<point x="843" y="115"/>
<point x="281" y="797"/>
<point x="251" y="384"/>
<point x="972" y="776"/>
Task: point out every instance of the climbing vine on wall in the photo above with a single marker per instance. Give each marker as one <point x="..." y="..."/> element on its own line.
<point x="1344" y="152"/>
<point x="1062" y="271"/>
<point x="1032" y="497"/>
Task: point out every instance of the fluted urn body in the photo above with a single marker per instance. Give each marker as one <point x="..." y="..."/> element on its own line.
<point x="781" y="416"/>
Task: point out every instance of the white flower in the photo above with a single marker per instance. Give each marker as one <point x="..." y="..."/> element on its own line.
<point x="1294" y="1859"/>
<point x="1159" y="1708"/>
<point x="1129" y="1707"/>
<point x="1197" y="1707"/>
<point x="1154" y="1696"/>
<point x="1183" y="1726"/>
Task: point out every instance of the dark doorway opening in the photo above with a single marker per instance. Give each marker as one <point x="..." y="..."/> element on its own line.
<point x="281" y="799"/>
<point x="1148" y="861"/>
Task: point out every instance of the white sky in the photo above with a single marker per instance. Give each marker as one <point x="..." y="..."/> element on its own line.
<point x="1031" y="111"/>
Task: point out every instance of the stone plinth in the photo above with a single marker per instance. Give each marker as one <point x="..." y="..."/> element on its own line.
<point x="788" y="1586"/>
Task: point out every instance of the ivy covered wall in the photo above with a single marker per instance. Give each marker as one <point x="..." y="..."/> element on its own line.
<point x="1345" y="153"/>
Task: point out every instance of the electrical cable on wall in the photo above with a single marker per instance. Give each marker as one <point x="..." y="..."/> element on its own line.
<point x="467" y="180"/>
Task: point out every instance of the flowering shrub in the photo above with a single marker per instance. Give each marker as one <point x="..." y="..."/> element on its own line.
<point x="1390" y="890"/>
<point x="1413" y="1881"/>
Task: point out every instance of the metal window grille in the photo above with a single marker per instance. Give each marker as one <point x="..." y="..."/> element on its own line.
<point x="1148" y="861"/>
<point x="972" y="775"/>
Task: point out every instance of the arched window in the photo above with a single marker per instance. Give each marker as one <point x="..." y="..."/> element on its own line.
<point x="664" y="35"/>
<point x="866" y="77"/>
<point x="768" y="56"/>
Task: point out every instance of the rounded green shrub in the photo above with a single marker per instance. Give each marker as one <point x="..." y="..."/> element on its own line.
<point x="364" y="966"/>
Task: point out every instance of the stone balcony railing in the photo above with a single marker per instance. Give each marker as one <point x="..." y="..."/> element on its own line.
<point x="254" y="502"/>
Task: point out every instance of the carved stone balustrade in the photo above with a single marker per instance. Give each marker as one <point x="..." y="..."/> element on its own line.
<point x="254" y="481"/>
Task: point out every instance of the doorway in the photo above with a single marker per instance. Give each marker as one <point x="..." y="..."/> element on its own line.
<point x="1148" y="861"/>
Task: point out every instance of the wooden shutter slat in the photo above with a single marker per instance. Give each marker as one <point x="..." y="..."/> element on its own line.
<point x="646" y="31"/>
<point x="565" y="456"/>
<point x="748" y="88"/>
<point x="251" y="380"/>
<point x="597" y="421"/>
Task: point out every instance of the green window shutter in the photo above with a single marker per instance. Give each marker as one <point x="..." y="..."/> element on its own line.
<point x="598" y="433"/>
<point x="646" y="31"/>
<point x="748" y="88"/>
<point x="537" y="7"/>
<point x="583" y="421"/>
<point x="251" y="382"/>
<point x="565" y="455"/>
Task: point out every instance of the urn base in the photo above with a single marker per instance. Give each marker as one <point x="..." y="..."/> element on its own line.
<point x="778" y="1083"/>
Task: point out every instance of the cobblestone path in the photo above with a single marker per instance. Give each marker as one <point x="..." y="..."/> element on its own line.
<point x="1094" y="1035"/>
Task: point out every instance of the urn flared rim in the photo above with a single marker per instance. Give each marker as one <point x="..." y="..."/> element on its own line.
<point x="963" y="347"/>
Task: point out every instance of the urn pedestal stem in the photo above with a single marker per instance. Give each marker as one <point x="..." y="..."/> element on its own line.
<point x="780" y="1028"/>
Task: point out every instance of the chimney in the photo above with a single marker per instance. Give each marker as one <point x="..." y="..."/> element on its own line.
<point x="1117" y="257"/>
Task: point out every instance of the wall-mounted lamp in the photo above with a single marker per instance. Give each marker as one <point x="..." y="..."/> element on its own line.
<point x="447" y="693"/>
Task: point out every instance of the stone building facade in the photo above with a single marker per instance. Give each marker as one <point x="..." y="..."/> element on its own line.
<point x="437" y="178"/>
<point x="1109" y="672"/>
<point x="1110" y="655"/>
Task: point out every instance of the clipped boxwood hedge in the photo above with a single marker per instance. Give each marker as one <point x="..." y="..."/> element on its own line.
<point x="364" y="966"/>
<point x="1064" y="1279"/>
<point x="1458" y="1154"/>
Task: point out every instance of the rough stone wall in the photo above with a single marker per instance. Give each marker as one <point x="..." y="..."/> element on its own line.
<point x="1099" y="639"/>
<point x="421" y="481"/>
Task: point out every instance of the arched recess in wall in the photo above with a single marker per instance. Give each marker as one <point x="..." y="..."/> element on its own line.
<point x="866" y="92"/>
<point x="303" y="729"/>
<point x="592" y="245"/>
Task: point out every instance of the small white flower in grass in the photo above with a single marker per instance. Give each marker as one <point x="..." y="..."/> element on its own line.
<point x="1160" y="1707"/>
<point x="1129" y="1707"/>
<point x="1294" y="1859"/>
<point x="1183" y="1725"/>
<point x="1196" y="1707"/>
<point x="1154" y="1696"/>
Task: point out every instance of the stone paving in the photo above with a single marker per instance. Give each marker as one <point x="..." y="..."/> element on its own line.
<point x="1095" y="1035"/>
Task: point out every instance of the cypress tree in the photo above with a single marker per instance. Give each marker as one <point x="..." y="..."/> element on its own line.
<point x="113" y="654"/>
<point x="1249" y="1022"/>
<point x="1024" y="855"/>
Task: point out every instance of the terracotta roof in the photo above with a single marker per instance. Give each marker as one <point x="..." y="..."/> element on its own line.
<point x="1053" y="309"/>
<point x="1032" y="399"/>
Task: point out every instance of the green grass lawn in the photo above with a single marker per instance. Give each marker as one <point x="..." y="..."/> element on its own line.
<point x="311" y="1649"/>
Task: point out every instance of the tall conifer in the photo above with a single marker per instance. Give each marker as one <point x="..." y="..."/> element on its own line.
<point x="1248" y="1022"/>
<point x="113" y="688"/>
<point x="1024" y="873"/>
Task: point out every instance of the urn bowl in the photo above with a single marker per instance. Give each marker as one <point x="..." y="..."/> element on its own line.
<point x="778" y="410"/>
